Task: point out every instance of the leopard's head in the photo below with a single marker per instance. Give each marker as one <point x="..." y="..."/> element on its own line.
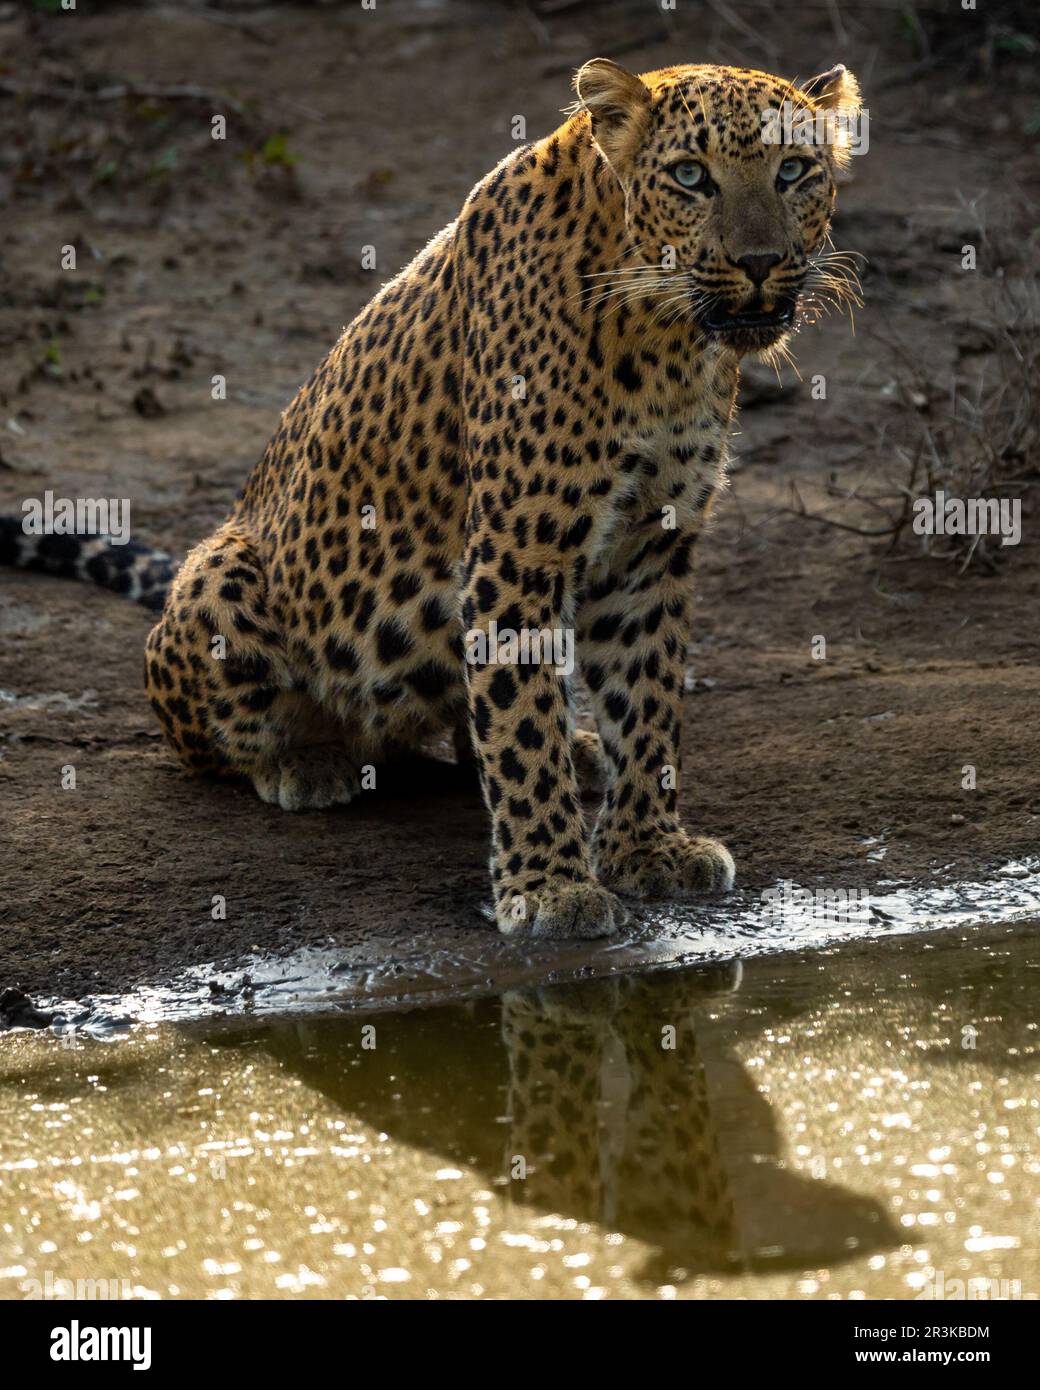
<point x="729" y="182"/>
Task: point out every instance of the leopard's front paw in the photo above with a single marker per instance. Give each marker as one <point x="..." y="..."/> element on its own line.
<point x="675" y="865"/>
<point x="564" y="911"/>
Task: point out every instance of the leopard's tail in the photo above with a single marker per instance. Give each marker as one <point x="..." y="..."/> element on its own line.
<point x="139" y="572"/>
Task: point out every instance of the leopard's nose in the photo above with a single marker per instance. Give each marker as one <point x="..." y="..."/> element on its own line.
<point x="757" y="267"/>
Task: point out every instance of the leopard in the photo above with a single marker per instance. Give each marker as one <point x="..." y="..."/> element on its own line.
<point x="524" y="432"/>
<point x="612" y="1118"/>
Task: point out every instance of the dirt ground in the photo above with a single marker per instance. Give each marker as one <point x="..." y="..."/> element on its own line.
<point x="197" y="257"/>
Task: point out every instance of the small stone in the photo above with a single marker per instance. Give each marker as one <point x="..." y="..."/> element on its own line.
<point x="147" y="404"/>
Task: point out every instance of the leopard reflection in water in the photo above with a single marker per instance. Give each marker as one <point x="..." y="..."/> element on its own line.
<point x="593" y="1101"/>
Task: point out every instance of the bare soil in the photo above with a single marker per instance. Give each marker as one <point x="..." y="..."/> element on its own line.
<point x="241" y="257"/>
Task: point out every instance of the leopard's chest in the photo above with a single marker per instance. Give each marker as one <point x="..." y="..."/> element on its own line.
<point x="667" y="474"/>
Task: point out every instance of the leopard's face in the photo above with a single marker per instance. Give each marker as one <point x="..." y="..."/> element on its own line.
<point x="725" y="204"/>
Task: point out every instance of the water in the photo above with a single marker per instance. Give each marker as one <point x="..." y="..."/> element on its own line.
<point x="855" y="1120"/>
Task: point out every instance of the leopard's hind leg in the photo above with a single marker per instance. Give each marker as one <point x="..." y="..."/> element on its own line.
<point x="217" y="673"/>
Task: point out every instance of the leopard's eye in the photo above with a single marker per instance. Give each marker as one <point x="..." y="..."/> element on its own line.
<point x="689" y="174"/>
<point x="790" y="171"/>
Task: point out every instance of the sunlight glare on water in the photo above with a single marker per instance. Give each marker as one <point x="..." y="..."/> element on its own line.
<point x="859" y="1122"/>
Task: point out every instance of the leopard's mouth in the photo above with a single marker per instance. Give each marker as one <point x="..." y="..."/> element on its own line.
<point x="751" y="328"/>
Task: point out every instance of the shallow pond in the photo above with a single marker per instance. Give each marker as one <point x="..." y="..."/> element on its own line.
<point x="858" y="1121"/>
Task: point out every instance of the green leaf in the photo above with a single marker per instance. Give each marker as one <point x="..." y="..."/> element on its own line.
<point x="276" y="151"/>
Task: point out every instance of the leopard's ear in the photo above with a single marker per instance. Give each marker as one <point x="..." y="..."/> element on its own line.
<point x="618" y="104"/>
<point x="834" y="90"/>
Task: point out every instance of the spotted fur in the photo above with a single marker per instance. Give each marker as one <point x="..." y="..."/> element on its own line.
<point x="135" y="570"/>
<point x="612" y="1124"/>
<point x="528" y="425"/>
